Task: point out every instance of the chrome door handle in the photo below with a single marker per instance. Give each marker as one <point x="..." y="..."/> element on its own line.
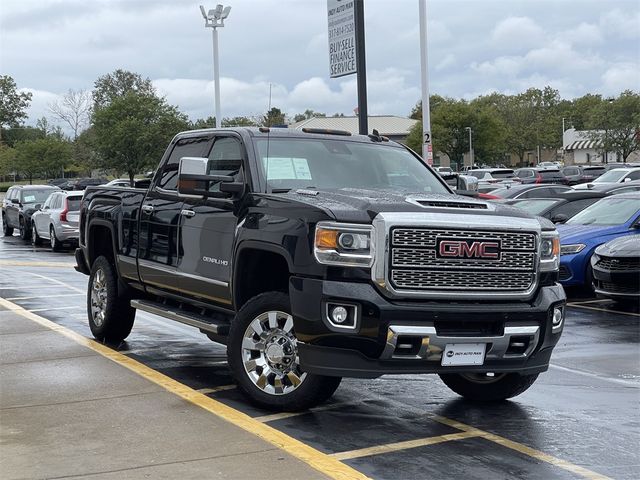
<point x="147" y="208"/>
<point x="188" y="213"/>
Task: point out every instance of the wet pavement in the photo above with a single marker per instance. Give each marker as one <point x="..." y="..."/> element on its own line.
<point x="580" y="420"/>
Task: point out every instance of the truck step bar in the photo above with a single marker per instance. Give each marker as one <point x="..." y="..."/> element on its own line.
<point x="205" y="324"/>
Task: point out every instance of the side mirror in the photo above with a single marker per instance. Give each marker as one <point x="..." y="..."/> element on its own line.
<point x="559" y="218"/>
<point x="193" y="180"/>
<point x="15" y="201"/>
<point x="38" y="206"/>
<point x="627" y="180"/>
<point x="467" y="182"/>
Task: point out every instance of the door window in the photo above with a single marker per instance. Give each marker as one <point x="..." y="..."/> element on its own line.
<point x="225" y="159"/>
<point x="186" y="147"/>
<point x="571" y="208"/>
<point x="634" y="175"/>
<point x="47" y="203"/>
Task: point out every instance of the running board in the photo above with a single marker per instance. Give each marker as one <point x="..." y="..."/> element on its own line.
<point x="205" y="324"/>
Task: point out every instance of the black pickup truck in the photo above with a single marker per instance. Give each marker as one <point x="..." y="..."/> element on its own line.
<point x="315" y="255"/>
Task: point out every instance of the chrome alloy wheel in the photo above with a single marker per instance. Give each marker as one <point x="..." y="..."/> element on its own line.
<point x="485" y="378"/>
<point x="270" y="353"/>
<point x="99" y="298"/>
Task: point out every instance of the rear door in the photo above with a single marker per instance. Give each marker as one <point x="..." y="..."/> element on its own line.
<point x="42" y="218"/>
<point x="160" y="215"/>
<point x="11" y="209"/>
<point x="207" y="228"/>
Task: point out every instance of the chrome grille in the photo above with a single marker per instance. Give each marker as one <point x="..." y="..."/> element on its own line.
<point x="423" y="258"/>
<point x="448" y="280"/>
<point x="414" y="265"/>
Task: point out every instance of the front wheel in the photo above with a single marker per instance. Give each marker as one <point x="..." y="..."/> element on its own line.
<point x="6" y="229"/>
<point x="56" y="246"/>
<point x="488" y="387"/>
<point x="35" y="238"/>
<point x="25" y="231"/>
<point x="110" y="315"/>
<point x="263" y="357"/>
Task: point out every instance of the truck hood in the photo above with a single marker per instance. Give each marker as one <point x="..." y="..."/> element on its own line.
<point x="362" y="205"/>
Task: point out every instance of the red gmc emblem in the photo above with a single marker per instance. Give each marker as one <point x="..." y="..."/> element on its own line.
<point x="485" y="249"/>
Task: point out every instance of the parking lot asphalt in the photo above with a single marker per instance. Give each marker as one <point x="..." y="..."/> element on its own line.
<point x="580" y="420"/>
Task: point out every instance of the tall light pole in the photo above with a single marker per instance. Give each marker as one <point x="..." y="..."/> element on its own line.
<point x="214" y="19"/>
<point x="470" y="145"/>
<point x="427" y="153"/>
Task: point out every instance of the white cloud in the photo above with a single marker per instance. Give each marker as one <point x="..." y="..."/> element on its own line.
<point x="623" y="24"/>
<point x="583" y="34"/>
<point x="449" y="60"/>
<point x="517" y="33"/>
<point x="619" y="77"/>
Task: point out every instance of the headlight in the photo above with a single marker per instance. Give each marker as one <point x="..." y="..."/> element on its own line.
<point x="571" y="248"/>
<point x="549" y="252"/>
<point x="344" y="244"/>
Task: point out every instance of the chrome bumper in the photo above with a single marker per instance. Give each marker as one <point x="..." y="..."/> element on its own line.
<point x="516" y="342"/>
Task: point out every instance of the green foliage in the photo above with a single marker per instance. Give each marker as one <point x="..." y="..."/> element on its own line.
<point x="44" y="156"/>
<point x="13" y="105"/>
<point x="7" y="159"/>
<point x="308" y="113"/>
<point x="111" y="86"/>
<point x="132" y="132"/>
<point x="273" y="117"/>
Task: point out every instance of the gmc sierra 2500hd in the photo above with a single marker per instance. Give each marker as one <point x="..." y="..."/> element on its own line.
<point x="315" y="255"/>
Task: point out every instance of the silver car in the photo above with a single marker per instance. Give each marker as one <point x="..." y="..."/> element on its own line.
<point x="57" y="220"/>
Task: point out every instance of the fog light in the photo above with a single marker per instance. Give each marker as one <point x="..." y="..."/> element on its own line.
<point x="558" y="317"/>
<point x="339" y="314"/>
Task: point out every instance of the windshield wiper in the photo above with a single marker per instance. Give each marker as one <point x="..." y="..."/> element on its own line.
<point x="280" y="190"/>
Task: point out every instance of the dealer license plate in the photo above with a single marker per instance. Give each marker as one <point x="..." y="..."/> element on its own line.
<point x="456" y="354"/>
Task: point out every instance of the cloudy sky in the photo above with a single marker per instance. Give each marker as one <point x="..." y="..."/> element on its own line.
<point x="475" y="47"/>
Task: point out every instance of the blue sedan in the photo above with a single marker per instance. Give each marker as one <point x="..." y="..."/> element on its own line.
<point x="609" y="218"/>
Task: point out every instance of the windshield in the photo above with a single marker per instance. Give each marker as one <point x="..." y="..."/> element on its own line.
<point x="332" y="164"/>
<point x="36" y="196"/>
<point x="608" y="211"/>
<point x="535" y="207"/>
<point x="612" y="176"/>
<point x="550" y="173"/>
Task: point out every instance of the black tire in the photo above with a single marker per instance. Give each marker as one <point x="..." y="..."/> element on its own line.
<point x="56" y="246"/>
<point x="311" y="391"/>
<point x="588" y="279"/>
<point x="25" y="231"/>
<point x="484" y="388"/>
<point x="116" y="321"/>
<point x="35" y="238"/>
<point x="6" y="229"/>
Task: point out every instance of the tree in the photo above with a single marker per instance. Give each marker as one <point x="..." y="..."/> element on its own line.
<point x="74" y="109"/>
<point x="13" y="105"/>
<point x="308" y="113"/>
<point x="7" y="159"/>
<point x="46" y="156"/>
<point x="618" y="124"/>
<point x="238" y="122"/>
<point x="114" y="85"/>
<point x="132" y="132"/>
<point x="273" y="117"/>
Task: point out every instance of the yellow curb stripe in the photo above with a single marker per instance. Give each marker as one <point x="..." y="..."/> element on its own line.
<point x="519" y="447"/>
<point x="283" y="415"/>
<point x="322" y="462"/>
<point x="221" y="388"/>
<point x="19" y="263"/>
<point x="394" y="447"/>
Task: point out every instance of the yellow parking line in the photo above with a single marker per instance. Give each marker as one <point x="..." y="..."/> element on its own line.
<point x="283" y="415"/>
<point x="57" y="295"/>
<point x="597" y="300"/>
<point x="221" y="388"/>
<point x="519" y="447"/>
<point x="20" y="263"/>
<point x="322" y="462"/>
<point x="618" y="312"/>
<point x="394" y="447"/>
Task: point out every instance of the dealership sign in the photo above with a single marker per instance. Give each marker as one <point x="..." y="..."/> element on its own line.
<point x="342" y="38"/>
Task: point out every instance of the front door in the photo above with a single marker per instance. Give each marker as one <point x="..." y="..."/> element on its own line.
<point x="160" y="216"/>
<point x="207" y="231"/>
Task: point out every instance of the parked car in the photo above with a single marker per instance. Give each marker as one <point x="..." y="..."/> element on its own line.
<point x="541" y="175"/>
<point x="445" y="170"/>
<point x="617" y="175"/>
<point x="56" y="182"/>
<point x="577" y="174"/>
<point x="611" y="217"/>
<point x="124" y="182"/>
<point x="21" y="201"/>
<point x="560" y="209"/>
<point x="616" y="269"/>
<point x="85" y="182"/>
<point x="614" y="165"/>
<point x="551" y="165"/>
<point x="57" y="220"/>
<point x="493" y="175"/>
<point x="530" y="191"/>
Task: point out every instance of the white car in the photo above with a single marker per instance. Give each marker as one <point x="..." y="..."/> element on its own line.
<point x="57" y="220"/>
<point x="618" y="175"/>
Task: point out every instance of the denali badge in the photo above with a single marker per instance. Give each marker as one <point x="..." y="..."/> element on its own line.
<point x="462" y="248"/>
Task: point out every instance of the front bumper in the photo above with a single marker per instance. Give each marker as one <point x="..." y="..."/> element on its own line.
<point x="409" y="337"/>
<point x="616" y="283"/>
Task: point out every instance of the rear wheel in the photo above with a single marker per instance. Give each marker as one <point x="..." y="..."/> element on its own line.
<point x="110" y="315"/>
<point x="6" y="229"/>
<point x="35" y="238"/>
<point x="25" y="231"/>
<point x="56" y="246"/>
<point x="263" y="357"/>
<point x="488" y="387"/>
